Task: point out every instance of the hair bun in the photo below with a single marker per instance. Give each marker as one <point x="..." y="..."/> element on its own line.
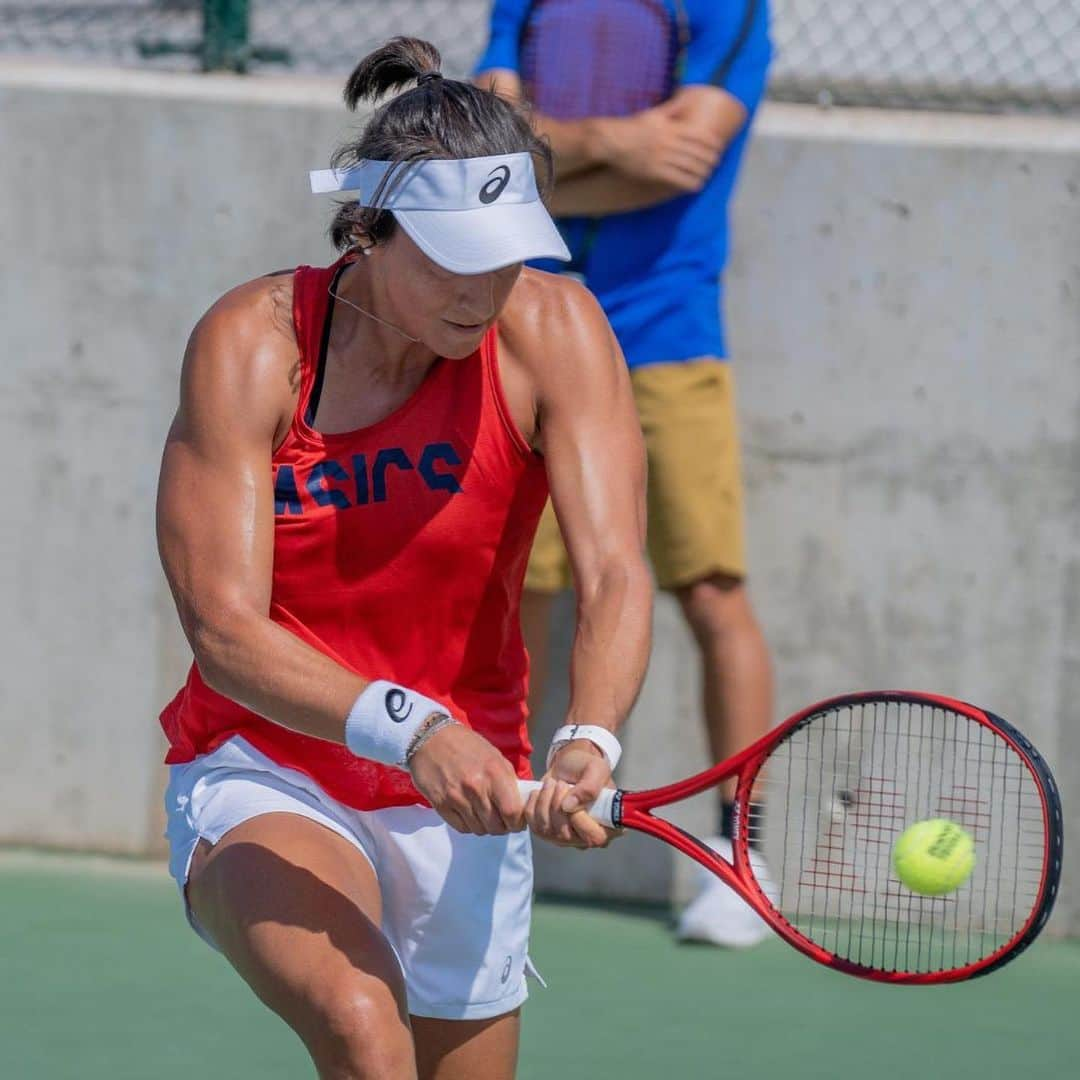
<point x="394" y="66"/>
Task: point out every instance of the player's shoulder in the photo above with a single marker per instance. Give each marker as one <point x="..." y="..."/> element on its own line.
<point x="244" y="349"/>
<point x="554" y="332"/>
<point x="257" y="308"/>
<point x="544" y="307"/>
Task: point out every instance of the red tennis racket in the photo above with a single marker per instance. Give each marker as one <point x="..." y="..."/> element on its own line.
<point x="840" y="781"/>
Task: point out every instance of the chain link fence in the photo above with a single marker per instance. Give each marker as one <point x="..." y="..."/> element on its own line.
<point x="961" y="54"/>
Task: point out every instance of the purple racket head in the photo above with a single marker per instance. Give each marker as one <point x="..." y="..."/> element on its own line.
<point x="599" y="57"/>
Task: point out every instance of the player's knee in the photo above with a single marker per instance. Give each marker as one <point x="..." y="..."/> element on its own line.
<point x="717" y="606"/>
<point x="360" y="1029"/>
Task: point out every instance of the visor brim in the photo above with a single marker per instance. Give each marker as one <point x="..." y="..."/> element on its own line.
<point x="485" y="239"/>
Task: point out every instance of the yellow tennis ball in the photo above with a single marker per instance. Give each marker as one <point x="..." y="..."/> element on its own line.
<point x="934" y="857"/>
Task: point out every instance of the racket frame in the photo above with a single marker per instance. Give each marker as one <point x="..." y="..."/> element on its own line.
<point x="633" y="810"/>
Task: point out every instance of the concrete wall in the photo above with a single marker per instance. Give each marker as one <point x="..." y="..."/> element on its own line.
<point x="128" y="204"/>
<point x="904" y="308"/>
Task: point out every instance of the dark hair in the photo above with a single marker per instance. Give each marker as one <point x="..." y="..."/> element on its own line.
<point x="437" y="118"/>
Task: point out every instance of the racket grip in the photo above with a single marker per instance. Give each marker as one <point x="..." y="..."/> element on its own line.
<point x="602" y="810"/>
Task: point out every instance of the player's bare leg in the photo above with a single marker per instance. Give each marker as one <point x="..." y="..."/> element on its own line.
<point x="536" y="610"/>
<point x="296" y="909"/>
<point x="467" y="1049"/>
<point x="737" y="672"/>
<point x="738" y="703"/>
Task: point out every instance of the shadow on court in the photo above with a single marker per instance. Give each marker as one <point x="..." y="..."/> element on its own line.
<point x="103" y="981"/>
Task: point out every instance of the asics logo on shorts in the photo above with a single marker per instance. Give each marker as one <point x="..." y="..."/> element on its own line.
<point x="395" y="705"/>
<point x="496" y="185"/>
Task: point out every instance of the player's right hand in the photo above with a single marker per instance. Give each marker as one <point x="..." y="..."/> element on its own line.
<point x="657" y="145"/>
<point x="468" y="782"/>
<point x="558" y="811"/>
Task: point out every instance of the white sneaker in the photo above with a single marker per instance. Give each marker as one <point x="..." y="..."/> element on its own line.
<point x="719" y="916"/>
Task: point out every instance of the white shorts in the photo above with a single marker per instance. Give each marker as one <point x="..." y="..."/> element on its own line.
<point x="456" y="908"/>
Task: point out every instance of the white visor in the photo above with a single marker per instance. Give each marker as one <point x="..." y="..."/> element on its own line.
<point x="470" y="215"/>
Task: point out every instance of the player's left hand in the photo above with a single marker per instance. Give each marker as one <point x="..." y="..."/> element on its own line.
<point x="557" y="811"/>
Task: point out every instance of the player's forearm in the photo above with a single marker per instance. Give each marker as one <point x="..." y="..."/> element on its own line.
<point x="258" y="664"/>
<point x="604" y="191"/>
<point x="611" y="645"/>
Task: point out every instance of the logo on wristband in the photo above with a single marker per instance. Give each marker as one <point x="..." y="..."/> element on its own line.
<point x="396" y="703"/>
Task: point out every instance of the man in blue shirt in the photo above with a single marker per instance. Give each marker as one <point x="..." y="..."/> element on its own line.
<point x="641" y="199"/>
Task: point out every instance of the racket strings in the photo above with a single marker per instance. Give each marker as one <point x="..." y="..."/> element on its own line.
<point x="582" y="58"/>
<point x="841" y="789"/>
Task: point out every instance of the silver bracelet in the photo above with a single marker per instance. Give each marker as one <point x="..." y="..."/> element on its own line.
<point x="436" y="723"/>
<point x="385" y="719"/>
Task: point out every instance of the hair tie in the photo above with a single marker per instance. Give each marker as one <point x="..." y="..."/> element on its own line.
<point x="428" y="76"/>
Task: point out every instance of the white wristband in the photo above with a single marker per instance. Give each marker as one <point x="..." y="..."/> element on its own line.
<point x="600" y="737"/>
<point x="384" y="721"/>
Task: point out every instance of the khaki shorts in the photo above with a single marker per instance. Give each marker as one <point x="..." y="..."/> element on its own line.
<point x="687" y="413"/>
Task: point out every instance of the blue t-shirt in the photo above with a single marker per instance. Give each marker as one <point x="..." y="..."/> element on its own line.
<point x="656" y="271"/>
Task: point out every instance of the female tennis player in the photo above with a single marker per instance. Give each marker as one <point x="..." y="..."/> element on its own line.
<point x="348" y="496"/>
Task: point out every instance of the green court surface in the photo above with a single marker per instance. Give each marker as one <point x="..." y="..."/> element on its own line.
<point x="101" y="979"/>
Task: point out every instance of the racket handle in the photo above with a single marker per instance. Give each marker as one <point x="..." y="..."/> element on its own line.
<point x="602" y="810"/>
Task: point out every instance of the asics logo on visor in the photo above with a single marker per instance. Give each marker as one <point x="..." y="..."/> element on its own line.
<point x="496" y="185"/>
<point x="395" y="705"/>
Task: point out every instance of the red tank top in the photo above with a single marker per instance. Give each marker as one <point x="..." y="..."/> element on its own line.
<point x="399" y="551"/>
